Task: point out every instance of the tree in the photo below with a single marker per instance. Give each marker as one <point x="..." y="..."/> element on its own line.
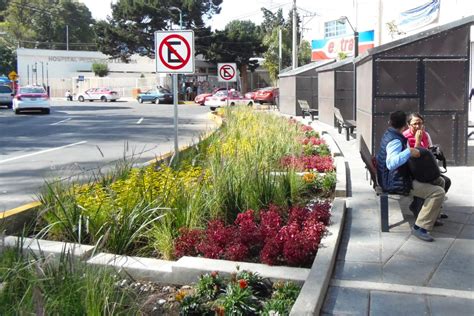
<point x="100" y="69"/>
<point x="43" y="22"/>
<point x="8" y="60"/>
<point x="131" y="28"/>
<point x="304" y="53"/>
<point x="238" y="42"/>
<point x="271" y="25"/>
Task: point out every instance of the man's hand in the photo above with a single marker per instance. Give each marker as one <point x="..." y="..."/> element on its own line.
<point x="415" y="153"/>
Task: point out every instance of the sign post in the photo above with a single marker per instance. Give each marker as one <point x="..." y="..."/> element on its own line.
<point x="226" y="72"/>
<point x="174" y="51"/>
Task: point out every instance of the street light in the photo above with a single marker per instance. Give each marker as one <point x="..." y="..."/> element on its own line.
<point x="354" y="31"/>
<point x="175" y="94"/>
<point x="356" y="53"/>
<point x="180" y="16"/>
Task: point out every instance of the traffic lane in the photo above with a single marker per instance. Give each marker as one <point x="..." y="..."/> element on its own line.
<point x="73" y="124"/>
<point x="21" y="178"/>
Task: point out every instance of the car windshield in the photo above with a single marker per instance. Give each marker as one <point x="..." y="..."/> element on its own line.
<point x="163" y="91"/>
<point x="222" y="93"/>
<point x="5" y="89"/>
<point x="32" y="90"/>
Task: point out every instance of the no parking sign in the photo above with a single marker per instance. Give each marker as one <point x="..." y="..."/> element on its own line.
<point x="174" y="51"/>
<point x="226" y="72"/>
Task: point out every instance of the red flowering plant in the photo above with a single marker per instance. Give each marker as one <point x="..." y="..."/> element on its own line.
<point x="263" y="237"/>
<point x="308" y="163"/>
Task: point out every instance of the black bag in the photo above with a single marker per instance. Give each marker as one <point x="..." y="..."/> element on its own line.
<point x="439" y="155"/>
<point x="425" y="168"/>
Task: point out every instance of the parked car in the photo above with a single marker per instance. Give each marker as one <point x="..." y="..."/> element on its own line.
<point x="201" y="98"/>
<point x="157" y="95"/>
<point x="6" y="96"/>
<point x="266" y="95"/>
<point x="251" y="94"/>
<point x="31" y="98"/>
<point x="102" y="94"/>
<point x="220" y="99"/>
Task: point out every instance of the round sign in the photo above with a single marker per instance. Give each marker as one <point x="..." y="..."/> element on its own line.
<point x="169" y="43"/>
<point x="227" y="72"/>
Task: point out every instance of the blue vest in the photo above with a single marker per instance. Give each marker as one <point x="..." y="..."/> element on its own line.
<point x="393" y="181"/>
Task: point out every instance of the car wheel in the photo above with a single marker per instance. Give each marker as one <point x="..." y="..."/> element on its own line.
<point x="46" y="111"/>
<point x="250" y="103"/>
<point x="80" y="98"/>
<point x="10" y="106"/>
<point x="157" y="101"/>
<point x="261" y="102"/>
<point x="212" y="108"/>
<point x="17" y="111"/>
<point x="103" y="99"/>
<point x="232" y="104"/>
<point x="140" y="100"/>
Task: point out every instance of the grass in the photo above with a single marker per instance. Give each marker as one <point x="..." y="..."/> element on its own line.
<point x="38" y="285"/>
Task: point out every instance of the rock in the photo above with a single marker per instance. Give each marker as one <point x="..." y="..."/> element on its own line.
<point x="161" y="301"/>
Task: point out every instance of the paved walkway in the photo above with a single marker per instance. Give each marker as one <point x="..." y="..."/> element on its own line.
<point x="395" y="273"/>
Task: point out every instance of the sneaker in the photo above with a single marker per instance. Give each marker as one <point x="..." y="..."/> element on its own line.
<point x="422" y="234"/>
<point x="443" y="215"/>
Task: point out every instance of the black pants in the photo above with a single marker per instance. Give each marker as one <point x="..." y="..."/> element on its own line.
<point x="417" y="203"/>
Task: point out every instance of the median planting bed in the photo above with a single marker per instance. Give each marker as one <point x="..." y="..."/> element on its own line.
<point x="257" y="190"/>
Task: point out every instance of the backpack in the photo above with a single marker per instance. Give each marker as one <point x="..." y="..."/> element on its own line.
<point x="425" y="168"/>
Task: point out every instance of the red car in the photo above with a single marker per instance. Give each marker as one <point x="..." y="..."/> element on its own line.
<point x="251" y="94"/>
<point x="201" y="98"/>
<point x="266" y="95"/>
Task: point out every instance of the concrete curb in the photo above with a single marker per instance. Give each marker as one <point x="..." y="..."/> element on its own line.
<point x="312" y="295"/>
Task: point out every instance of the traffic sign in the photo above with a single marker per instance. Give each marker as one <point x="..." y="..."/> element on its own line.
<point x="226" y="72"/>
<point x="12" y="75"/>
<point x="174" y="51"/>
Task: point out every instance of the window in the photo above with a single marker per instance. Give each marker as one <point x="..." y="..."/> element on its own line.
<point x="335" y="28"/>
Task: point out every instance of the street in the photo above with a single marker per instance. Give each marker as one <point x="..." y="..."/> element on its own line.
<point x="78" y="137"/>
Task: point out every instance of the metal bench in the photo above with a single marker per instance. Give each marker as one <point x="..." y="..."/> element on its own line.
<point x="368" y="160"/>
<point x="307" y="110"/>
<point x="348" y="125"/>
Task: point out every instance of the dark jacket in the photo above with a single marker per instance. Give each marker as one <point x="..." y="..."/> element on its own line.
<point x="397" y="181"/>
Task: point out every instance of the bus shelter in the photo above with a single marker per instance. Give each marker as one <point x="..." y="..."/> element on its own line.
<point x="427" y="73"/>
<point x="300" y="84"/>
<point x="336" y="89"/>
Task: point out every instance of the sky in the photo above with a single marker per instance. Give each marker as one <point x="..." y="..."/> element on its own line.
<point x="243" y="9"/>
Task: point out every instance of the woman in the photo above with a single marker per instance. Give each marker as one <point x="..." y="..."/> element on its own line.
<point x="418" y="137"/>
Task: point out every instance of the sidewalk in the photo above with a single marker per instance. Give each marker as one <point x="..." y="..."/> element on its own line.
<point x="395" y="273"/>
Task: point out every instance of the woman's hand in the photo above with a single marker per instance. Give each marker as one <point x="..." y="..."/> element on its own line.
<point x="418" y="137"/>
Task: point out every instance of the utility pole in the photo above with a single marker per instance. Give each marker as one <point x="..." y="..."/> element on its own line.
<point x="279" y="49"/>
<point x="294" y="63"/>
<point x="67" y="37"/>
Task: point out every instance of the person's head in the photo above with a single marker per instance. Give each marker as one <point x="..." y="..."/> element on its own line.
<point x="415" y="122"/>
<point x="398" y="120"/>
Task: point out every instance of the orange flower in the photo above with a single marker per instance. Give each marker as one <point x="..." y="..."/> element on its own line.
<point x="243" y="283"/>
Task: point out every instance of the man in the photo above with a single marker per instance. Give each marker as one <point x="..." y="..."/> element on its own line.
<point x="394" y="175"/>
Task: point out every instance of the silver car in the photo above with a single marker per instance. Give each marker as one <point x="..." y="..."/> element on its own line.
<point x="6" y="96"/>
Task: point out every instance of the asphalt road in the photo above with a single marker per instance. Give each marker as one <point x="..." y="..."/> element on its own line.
<point x="80" y="137"/>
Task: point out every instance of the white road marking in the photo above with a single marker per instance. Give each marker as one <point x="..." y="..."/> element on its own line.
<point x="43" y="151"/>
<point x="140" y="120"/>
<point x="61" y="121"/>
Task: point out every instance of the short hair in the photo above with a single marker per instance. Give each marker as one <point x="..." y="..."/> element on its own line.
<point x="415" y="114"/>
<point x="398" y="119"/>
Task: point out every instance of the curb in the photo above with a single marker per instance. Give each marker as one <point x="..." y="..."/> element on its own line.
<point x="312" y="294"/>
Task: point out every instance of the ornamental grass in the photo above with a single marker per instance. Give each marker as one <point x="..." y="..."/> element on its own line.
<point x="251" y="162"/>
